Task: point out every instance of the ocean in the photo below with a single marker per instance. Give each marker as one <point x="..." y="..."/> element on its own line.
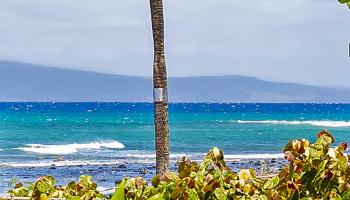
<point x="86" y="135"/>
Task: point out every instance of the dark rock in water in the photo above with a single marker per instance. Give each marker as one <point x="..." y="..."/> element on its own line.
<point x="143" y="171"/>
<point x="53" y="166"/>
<point x="257" y="163"/>
<point x="121" y="166"/>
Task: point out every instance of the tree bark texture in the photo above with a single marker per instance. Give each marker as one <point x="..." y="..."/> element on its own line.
<point x="160" y="85"/>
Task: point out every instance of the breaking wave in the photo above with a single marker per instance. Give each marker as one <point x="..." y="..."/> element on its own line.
<point x="69" y="148"/>
<point x="313" y="123"/>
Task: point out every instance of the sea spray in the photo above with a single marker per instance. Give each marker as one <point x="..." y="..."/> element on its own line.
<point x="69" y="148"/>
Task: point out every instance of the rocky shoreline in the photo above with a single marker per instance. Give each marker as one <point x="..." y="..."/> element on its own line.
<point x="107" y="175"/>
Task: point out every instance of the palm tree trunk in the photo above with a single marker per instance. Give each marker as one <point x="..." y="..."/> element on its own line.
<point x="160" y="93"/>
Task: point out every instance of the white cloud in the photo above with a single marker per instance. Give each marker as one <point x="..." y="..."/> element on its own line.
<point x="300" y="40"/>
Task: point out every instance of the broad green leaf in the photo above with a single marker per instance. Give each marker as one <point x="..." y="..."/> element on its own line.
<point x="43" y="187"/>
<point x="220" y="194"/>
<point x="342" y="164"/>
<point x="346" y="195"/>
<point x="247" y="188"/>
<point x="244" y="175"/>
<point x="271" y="183"/>
<point x="156" y="197"/>
<point x="192" y="194"/>
<point x="119" y="192"/>
<point x="73" y="198"/>
<point x="43" y="197"/>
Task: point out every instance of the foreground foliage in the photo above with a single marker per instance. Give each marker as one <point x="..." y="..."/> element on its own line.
<point x="346" y="2"/>
<point x="315" y="171"/>
<point x="44" y="188"/>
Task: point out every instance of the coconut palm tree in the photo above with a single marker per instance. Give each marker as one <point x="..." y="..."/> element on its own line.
<point x="160" y="93"/>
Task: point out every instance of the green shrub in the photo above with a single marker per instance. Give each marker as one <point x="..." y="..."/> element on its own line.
<point x="44" y="188"/>
<point x="315" y="171"/>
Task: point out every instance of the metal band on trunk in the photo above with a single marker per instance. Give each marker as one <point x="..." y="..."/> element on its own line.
<point x="160" y="95"/>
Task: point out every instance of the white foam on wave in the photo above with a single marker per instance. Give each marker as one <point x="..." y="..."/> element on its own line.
<point x="313" y="123"/>
<point x="57" y="164"/>
<point x="105" y="190"/>
<point x="69" y="148"/>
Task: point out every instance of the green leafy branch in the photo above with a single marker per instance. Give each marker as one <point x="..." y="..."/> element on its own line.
<point x="347" y="2"/>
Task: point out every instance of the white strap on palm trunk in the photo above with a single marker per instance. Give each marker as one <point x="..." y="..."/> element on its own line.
<point x="160" y="95"/>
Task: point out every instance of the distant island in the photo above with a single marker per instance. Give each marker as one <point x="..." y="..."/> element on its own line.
<point x="28" y="82"/>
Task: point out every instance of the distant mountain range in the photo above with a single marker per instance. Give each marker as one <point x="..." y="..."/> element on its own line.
<point x="28" y="82"/>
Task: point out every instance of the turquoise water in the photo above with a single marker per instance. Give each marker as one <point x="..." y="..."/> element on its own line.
<point x="94" y="138"/>
<point x="34" y="134"/>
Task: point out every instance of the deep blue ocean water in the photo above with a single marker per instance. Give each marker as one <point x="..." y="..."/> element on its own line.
<point x="35" y="134"/>
<point x="93" y="137"/>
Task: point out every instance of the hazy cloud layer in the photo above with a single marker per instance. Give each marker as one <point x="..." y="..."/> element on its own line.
<point x="300" y="41"/>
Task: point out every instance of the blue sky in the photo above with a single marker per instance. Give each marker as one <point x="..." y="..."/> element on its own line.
<point x="304" y="41"/>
